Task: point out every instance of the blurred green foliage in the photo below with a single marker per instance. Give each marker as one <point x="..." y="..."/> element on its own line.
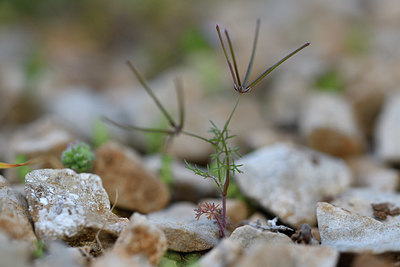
<point x="331" y="81"/>
<point x="176" y="259"/>
<point x="166" y="170"/>
<point x="40" y="250"/>
<point x="23" y="170"/>
<point x="100" y="133"/>
<point x="358" y="38"/>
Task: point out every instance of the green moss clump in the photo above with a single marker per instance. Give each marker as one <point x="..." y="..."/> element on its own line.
<point x="78" y="157"/>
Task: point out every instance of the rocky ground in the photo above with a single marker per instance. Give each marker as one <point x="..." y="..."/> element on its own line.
<point x="319" y="139"/>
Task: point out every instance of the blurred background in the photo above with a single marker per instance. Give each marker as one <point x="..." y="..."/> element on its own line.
<point x="63" y="66"/>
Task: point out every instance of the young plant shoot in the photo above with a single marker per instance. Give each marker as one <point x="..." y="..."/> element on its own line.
<point x="224" y="156"/>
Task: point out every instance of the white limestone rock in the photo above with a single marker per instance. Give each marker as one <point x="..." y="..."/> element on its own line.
<point x="184" y="233"/>
<point x="185" y="185"/>
<point x="247" y="236"/>
<point x="71" y="207"/>
<point x="387" y="130"/>
<point x="328" y="124"/>
<point x="227" y="253"/>
<point x="290" y="255"/>
<point x="351" y="232"/>
<point x="360" y="200"/>
<point x="289" y="180"/>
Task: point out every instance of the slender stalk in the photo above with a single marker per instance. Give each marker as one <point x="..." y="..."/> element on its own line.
<point x="223" y="214"/>
<point x="253" y="52"/>
<point x="226" y="56"/>
<point x="150" y="92"/>
<point x="134" y="128"/>
<point x="265" y="73"/>
<point x="196" y="136"/>
<point x="221" y="227"/>
<point x="231" y="115"/>
<point x="239" y="84"/>
<point x="181" y="105"/>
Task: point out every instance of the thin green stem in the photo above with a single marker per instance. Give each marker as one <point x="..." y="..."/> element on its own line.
<point x="253" y="52"/>
<point x="231" y="115"/>
<point x="152" y="95"/>
<point x="265" y="73"/>
<point x="135" y="128"/>
<point x="239" y="84"/>
<point x="226" y="55"/>
<point x="196" y="136"/>
<point x="181" y="105"/>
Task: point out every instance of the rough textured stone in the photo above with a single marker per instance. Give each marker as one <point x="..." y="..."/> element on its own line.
<point x="71" y="207"/>
<point x="122" y="170"/>
<point x="185" y="185"/>
<point x="289" y="180"/>
<point x="184" y="233"/>
<point x="226" y="254"/>
<point x="350" y="232"/>
<point x="282" y="254"/>
<point x="327" y="123"/>
<point x="14" y="215"/>
<point x="142" y="237"/>
<point x="246" y="236"/>
<point x="360" y="200"/>
<point x="387" y="130"/>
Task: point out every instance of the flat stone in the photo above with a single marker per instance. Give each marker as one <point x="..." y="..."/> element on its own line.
<point x="185" y="185"/>
<point x="184" y="233"/>
<point x="371" y="173"/>
<point x="360" y="201"/>
<point x="246" y="236"/>
<point x="284" y="254"/>
<point x="387" y="130"/>
<point x="14" y="215"/>
<point x="351" y="232"/>
<point x="328" y="125"/>
<point x="142" y="237"/>
<point x="44" y="139"/>
<point x="71" y="207"/>
<point x="14" y="253"/>
<point x="122" y="170"/>
<point x="289" y="180"/>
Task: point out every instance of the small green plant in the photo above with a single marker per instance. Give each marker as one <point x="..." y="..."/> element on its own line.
<point x="40" y="250"/>
<point x="78" y="157"/>
<point x="224" y="156"/>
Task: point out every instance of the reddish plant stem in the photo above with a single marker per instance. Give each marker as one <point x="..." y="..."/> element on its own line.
<point x="223" y="214"/>
<point x="221" y="227"/>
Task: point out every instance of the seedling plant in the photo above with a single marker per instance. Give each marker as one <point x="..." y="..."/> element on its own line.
<point x="225" y="156"/>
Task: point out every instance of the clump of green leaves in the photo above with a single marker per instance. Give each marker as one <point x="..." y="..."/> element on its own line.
<point x="224" y="156"/>
<point x="78" y="157"/>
